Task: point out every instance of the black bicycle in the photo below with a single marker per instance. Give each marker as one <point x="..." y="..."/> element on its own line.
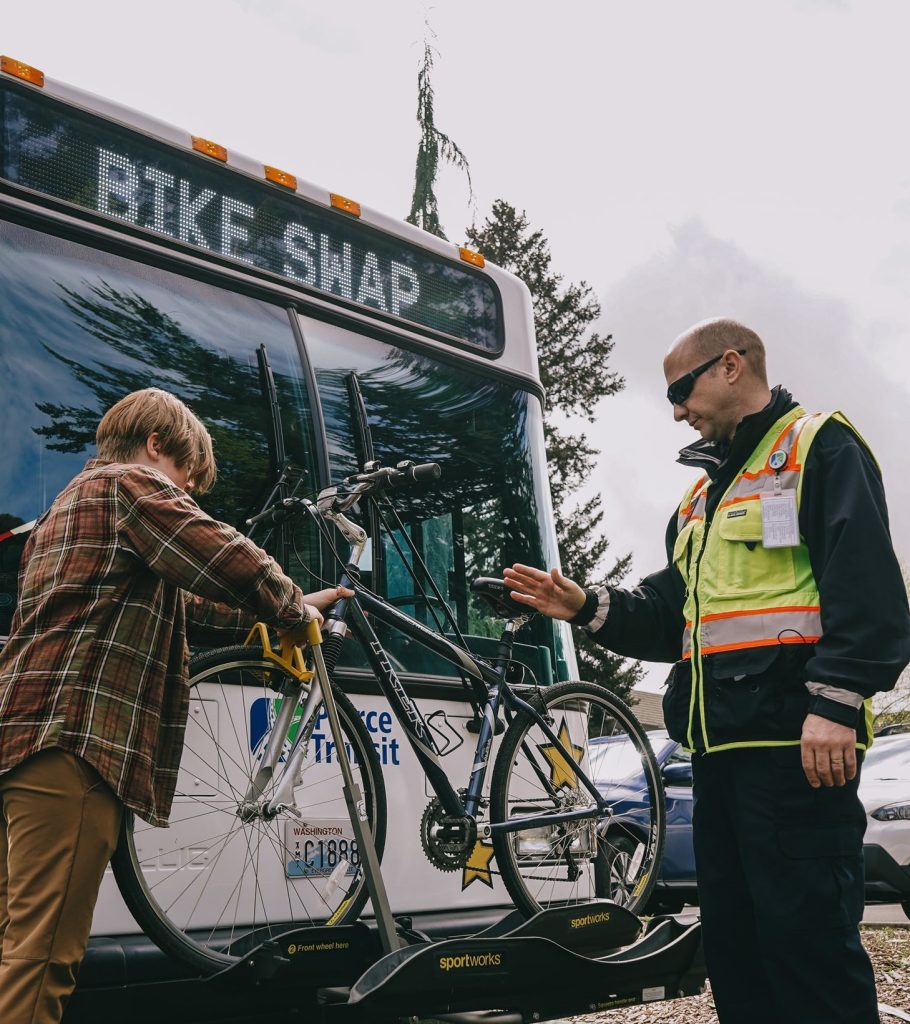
<point x="261" y="839"/>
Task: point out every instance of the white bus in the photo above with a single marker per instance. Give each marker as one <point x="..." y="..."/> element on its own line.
<point x="134" y="254"/>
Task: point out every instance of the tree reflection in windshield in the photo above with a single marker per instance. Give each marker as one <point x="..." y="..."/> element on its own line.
<point x="82" y="327"/>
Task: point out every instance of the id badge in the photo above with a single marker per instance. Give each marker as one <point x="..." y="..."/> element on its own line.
<point x="779" y="520"/>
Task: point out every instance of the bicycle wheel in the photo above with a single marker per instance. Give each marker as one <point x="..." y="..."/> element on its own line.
<point x="613" y="855"/>
<point x="218" y="882"/>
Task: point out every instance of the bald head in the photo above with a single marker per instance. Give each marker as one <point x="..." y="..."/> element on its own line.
<point x="710" y="338"/>
<point x="718" y="371"/>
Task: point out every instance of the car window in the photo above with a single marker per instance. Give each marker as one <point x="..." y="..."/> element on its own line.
<point x="615" y="759"/>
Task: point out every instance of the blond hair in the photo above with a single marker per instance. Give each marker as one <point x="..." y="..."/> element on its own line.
<point x="127" y="425"/>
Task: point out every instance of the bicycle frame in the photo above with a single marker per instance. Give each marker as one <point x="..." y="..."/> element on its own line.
<point x="500" y="694"/>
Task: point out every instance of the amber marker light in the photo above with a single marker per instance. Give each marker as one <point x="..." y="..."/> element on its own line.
<point x="280" y="177"/>
<point x="474" y="258"/>
<point x="24" y="71"/>
<point x="350" y="206"/>
<point x="209" y="148"/>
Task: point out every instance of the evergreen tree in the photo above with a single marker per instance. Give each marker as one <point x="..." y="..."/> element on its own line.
<point x="574" y="369"/>
<point x="434" y="146"/>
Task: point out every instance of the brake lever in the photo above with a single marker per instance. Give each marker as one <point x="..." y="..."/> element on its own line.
<point x="333" y="500"/>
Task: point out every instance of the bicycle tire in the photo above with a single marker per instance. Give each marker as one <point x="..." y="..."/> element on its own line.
<point x="616" y="855"/>
<point x="291" y="895"/>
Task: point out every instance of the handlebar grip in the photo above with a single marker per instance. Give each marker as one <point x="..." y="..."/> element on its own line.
<point x="422" y="474"/>
<point x="426" y="472"/>
<point x="276" y="513"/>
<point x="273" y="515"/>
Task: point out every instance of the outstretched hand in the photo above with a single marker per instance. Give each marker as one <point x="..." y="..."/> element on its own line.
<point x="549" y="593"/>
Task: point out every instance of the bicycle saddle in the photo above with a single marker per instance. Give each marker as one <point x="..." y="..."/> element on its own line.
<point x="496" y="594"/>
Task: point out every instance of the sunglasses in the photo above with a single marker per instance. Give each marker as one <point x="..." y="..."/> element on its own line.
<point x="681" y="388"/>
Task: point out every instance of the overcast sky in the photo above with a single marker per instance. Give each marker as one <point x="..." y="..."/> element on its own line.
<point x="687" y="159"/>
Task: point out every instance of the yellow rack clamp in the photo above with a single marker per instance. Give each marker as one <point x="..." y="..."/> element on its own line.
<point x="289" y="656"/>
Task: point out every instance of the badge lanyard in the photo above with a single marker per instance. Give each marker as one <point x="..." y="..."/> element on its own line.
<point x="779" y="515"/>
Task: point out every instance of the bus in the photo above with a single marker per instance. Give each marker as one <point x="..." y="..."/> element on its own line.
<point x="134" y="254"/>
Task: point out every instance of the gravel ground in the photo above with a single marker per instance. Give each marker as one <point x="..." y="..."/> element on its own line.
<point x="889" y="949"/>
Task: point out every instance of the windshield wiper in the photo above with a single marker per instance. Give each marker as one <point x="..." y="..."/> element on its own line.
<point x="278" y="460"/>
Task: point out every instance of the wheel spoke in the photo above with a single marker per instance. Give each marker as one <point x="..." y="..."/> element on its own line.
<point x="539" y="861"/>
<point x="199" y="879"/>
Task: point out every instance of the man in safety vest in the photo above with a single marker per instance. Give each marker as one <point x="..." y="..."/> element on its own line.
<point x="784" y="609"/>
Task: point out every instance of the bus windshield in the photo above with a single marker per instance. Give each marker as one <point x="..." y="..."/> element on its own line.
<point x="490" y="507"/>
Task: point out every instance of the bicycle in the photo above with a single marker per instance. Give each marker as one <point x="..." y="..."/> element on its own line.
<point x="563" y="812"/>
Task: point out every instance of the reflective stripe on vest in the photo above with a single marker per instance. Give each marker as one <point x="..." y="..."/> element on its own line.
<point x="732" y="631"/>
<point x="693" y="505"/>
<point x="749" y="485"/>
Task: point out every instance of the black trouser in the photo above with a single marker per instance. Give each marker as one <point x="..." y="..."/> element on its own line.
<point x="780" y="882"/>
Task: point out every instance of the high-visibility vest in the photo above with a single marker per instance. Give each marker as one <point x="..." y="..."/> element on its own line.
<point x="739" y="594"/>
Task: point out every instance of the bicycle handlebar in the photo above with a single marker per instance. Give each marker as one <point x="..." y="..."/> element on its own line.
<point x="404" y="473"/>
<point x="277" y="512"/>
<point x="361" y="483"/>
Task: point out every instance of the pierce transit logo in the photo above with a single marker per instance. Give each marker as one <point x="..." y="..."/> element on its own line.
<point x="380" y="725"/>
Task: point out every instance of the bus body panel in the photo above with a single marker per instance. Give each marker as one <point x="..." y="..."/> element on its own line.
<point x="414" y="884"/>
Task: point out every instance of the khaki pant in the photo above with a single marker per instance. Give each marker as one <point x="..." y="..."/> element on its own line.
<point x="58" y="829"/>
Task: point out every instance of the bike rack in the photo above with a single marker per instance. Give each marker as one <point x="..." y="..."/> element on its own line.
<point x="564" y="960"/>
<point x="567" y="960"/>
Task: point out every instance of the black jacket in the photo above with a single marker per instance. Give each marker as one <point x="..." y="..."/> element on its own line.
<point x="760" y="694"/>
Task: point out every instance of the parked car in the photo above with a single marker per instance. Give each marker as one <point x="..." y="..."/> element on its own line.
<point x="676" y="883"/>
<point x="884" y="791"/>
<point x="616" y="771"/>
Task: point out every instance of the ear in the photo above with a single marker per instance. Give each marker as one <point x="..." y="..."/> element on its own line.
<point x="153" y="446"/>
<point x="734" y="365"/>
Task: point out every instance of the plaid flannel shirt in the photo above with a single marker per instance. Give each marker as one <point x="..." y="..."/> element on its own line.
<point x="96" y="662"/>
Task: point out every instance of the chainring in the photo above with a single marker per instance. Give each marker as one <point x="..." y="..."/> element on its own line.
<point x="447" y="841"/>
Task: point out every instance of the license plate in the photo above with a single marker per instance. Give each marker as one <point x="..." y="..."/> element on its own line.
<point x="318" y="847"/>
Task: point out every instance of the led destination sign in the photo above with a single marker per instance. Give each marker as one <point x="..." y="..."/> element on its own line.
<point x="101" y="166"/>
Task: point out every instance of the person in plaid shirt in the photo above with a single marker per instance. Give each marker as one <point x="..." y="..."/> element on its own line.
<point x="93" y="679"/>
